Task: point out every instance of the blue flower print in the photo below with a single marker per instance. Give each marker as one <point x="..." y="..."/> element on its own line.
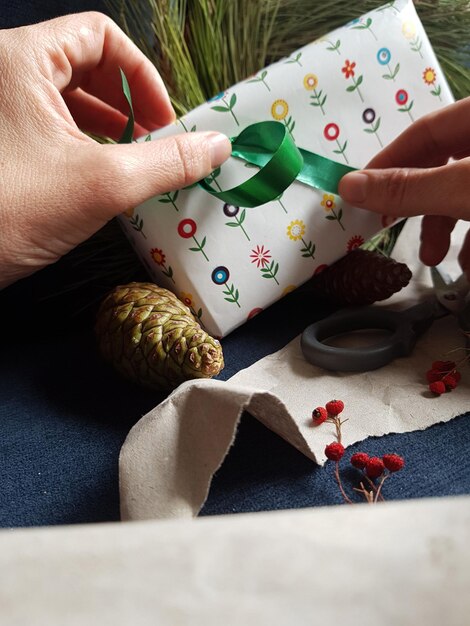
<point x="384" y="56"/>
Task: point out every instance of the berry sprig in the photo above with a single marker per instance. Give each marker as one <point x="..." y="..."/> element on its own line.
<point x="330" y="413"/>
<point x="373" y="468"/>
<point x="443" y="376"/>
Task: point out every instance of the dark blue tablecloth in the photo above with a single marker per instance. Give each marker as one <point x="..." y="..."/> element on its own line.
<point x="20" y="12"/>
<point x="64" y="414"/>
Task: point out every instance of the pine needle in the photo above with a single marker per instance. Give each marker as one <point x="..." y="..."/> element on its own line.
<point x="202" y="47"/>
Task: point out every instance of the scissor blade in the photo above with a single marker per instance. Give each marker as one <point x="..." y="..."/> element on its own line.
<point x="440" y="279"/>
<point x="450" y="293"/>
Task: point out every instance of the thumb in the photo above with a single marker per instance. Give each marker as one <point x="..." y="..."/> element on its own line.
<point x="119" y="177"/>
<point x="404" y="192"/>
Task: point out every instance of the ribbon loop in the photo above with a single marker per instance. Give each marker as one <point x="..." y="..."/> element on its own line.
<point x="270" y="146"/>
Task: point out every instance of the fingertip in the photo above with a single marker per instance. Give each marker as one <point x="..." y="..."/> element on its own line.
<point x="152" y="103"/>
<point x="130" y="174"/>
<point x="220" y="148"/>
<point x="353" y="188"/>
<point x="171" y="115"/>
<point x="429" y="255"/>
<point x="163" y="114"/>
<point x="435" y="238"/>
<point x="464" y="256"/>
<point x="139" y="131"/>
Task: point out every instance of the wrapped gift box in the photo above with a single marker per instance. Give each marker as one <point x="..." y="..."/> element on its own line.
<point x="344" y="96"/>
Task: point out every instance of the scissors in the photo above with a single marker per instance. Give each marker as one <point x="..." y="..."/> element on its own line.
<point x="404" y="327"/>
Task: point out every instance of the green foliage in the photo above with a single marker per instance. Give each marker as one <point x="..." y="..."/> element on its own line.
<point x="392" y="74"/>
<point x="232" y="294"/>
<point x="270" y="271"/>
<point x="385" y="241"/>
<point x="137" y="224"/>
<point x="201" y="47"/>
<point x="308" y="250"/>
<point x="447" y="23"/>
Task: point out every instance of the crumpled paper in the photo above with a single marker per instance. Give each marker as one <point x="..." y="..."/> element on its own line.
<point x="171" y="454"/>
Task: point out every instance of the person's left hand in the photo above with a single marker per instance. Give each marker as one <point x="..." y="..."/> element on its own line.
<point x="58" y="186"/>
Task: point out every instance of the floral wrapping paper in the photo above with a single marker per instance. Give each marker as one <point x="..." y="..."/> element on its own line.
<point x="344" y="96"/>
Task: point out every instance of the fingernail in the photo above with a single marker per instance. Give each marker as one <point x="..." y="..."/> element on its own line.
<point x="353" y="188"/>
<point x="220" y="148"/>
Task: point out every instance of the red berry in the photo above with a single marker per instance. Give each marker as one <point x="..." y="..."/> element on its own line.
<point x="319" y="415"/>
<point x="359" y="460"/>
<point x="393" y="462"/>
<point x="334" y="407"/>
<point x="456" y="374"/>
<point x="334" y="451"/>
<point x="374" y="467"/>
<point x="443" y="366"/>
<point x="450" y="382"/>
<point x="438" y="387"/>
<point x="433" y="376"/>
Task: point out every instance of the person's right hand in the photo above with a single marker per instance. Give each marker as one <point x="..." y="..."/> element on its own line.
<point x="58" y="186"/>
<point x="413" y="176"/>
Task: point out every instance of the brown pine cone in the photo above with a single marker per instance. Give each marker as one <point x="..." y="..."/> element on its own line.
<point x="361" y="277"/>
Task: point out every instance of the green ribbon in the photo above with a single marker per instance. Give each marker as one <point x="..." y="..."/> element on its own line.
<point x="270" y="146"/>
<point x="128" y="132"/>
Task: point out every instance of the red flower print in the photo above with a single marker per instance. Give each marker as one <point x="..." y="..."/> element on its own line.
<point x="401" y="97"/>
<point x="348" y="69"/>
<point x="260" y="256"/>
<point x="187" y="299"/>
<point x="158" y="256"/>
<point x="187" y="228"/>
<point x="331" y="132"/>
<point x="355" y="242"/>
<point x="320" y="269"/>
<point x="254" y="312"/>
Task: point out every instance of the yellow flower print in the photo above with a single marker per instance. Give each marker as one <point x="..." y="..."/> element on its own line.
<point x="296" y="230"/>
<point x="409" y="29"/>
<point x="187" y="299"/>
<point x="289" y="289"/>
<point x="328" y="202"/>
<point x="310" y="82"/>
<point x="129" y="212"/>
<point x="279" y="109"/>
<point x="158" y="256"/>
<point x="429" y="76"/>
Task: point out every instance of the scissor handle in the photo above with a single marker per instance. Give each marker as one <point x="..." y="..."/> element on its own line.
<point x="401" y="341"/>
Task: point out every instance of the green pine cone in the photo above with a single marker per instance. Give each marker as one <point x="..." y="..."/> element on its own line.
<point x="152" y="338"/>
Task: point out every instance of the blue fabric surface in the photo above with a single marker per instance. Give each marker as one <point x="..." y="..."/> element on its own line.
<point x="64" y="414"/>
<point x="21" y="12"/>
